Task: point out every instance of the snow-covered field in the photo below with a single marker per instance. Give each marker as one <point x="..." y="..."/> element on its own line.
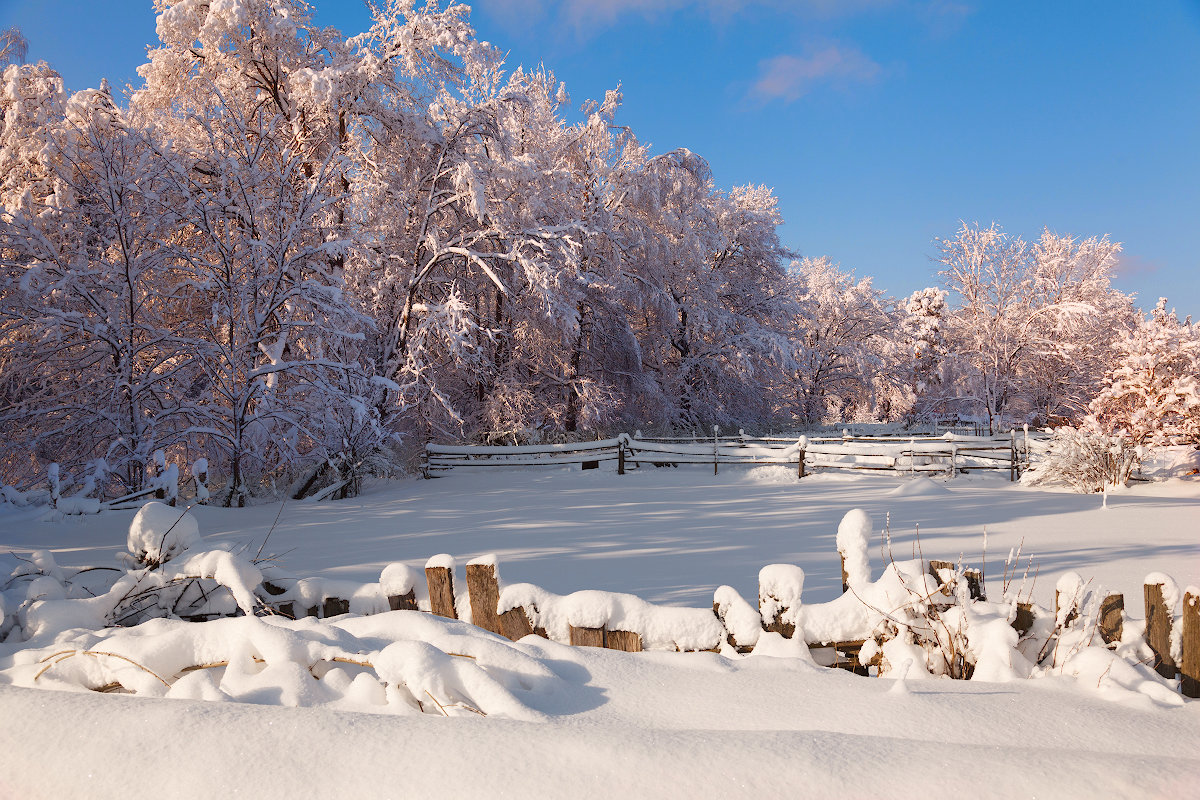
<point x="584" y="722"/>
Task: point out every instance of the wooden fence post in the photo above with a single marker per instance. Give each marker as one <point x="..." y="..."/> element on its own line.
<point x="1112" y="610"/>
<point x="514" y="624"/>
<point x="1012" y="454"/>
<point x="1190" y="668"/>
<point x="716" y="449"/>
<point x="628" y="641"/>
<point x="439" y="574"/>
<point x="1072" y="614"/>
<point x="403" y="602"/>
<point x="334" y="606"/>
<point x="621" y="456"/>
<point x="1023" y="623"/>
<point x="1158" y="630"/>
<point x="587" y="637"/>
<point x="483" y="588"/>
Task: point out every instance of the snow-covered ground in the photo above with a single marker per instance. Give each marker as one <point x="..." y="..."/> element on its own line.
<point x="584" y="722"/>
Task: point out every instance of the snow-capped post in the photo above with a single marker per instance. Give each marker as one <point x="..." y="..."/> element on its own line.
<point x="1023" y="620"/>
<point x="439" y="574"/>
<point x="1112" y="613"/>
<point x="334" y="607"/>
<point x="780" y="587"/>
<point x="1025" y="454"/>
<point x="622" y="443"/>
<point x="1189" y="666"/>
<point x="200" y="476"/>
<point x="1012" y="454"/>
<point x="716" y="448"/>
<point x="742" y="622"/>
<point x="1068" y="597"/>
<point x="157" y="467"/>
<point x="483" y="588"/>
<point x="398" y="582"/>
<point x="52" y="478"/>
<point x="853" y="540"/>
<point x="170" y="483"/>
<point x="1160" y="593"/>
<point x="514" y="624"/>
<point x="802" y="446"/>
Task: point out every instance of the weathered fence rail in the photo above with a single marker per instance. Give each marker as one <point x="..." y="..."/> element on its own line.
<point x="949" y="454"/>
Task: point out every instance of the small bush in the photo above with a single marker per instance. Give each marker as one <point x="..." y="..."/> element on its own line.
<point x="1085" y="459"/>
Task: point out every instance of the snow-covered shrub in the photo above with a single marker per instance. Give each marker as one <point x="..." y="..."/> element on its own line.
<point x="1084" y="458"/>
<point x="160" y="533"/>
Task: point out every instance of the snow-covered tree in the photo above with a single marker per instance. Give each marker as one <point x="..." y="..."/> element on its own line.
<point x="1152" y="395"/>
<point x="841" y="338"/>
<point x="94" y="354"/>
<point x="1025" y="317"/>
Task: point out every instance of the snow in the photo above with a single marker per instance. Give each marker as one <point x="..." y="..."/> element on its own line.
<point x="853" y="538"/>
<point x="160" y="532"/>
<point x="640" y="552"/>
<point x="440" y="561"/>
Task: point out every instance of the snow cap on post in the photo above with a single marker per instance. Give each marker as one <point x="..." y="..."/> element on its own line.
<point x="853" y="538"/>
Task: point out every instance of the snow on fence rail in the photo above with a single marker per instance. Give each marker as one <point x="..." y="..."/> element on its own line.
<point x="950" y="454"/>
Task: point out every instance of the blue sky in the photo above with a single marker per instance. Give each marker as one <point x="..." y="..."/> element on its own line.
<point x="880" y="123"/>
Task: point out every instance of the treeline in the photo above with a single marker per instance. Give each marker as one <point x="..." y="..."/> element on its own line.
<point x="294" y="254"/>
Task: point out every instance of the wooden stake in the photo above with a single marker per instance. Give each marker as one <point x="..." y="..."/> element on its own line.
<point x="800" y="466"/>
<point x="587" y="637"/>
<point x="934" y="567"/>
<point x="776" y="623"/>
<point x="1112" y="613"/>
<point x="441" y="591"/>
<point x="1158" y="630"/>
<point x="845" y="576"/>
<point x="514" y="624"/>
<point x="484" y="591"/>
<point x="628" y="641"/>
<point x="1072" y="615"/>
<point x="403" y="602"/>
<point x="975" y="584"/>
<point x="334" y="606"/>
<point x="1023" y="622"/>
<point x="1190" y="668"/>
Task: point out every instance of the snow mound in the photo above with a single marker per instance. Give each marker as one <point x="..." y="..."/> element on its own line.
<point x="401" y="663"/>
<point x="159" y="533"/>
<point x="920" y="486"/>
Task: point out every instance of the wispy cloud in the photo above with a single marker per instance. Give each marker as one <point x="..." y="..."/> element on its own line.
<point x="790" y="77"/>
<point x="586" y="16"/>
<point x="1130" y="266"/>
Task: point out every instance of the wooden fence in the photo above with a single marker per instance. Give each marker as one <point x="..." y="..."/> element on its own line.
<point x="484" y="593"/>
<point x="949" y="454"/>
